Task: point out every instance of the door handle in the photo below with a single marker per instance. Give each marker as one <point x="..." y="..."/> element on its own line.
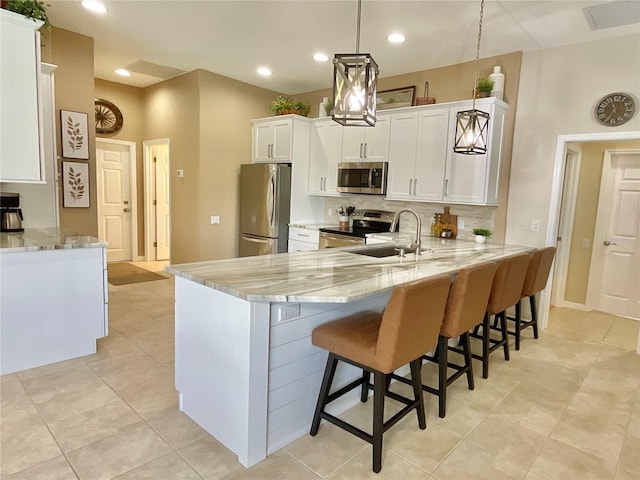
<point x="127" y="209"/>
<point x="607" y="243"/>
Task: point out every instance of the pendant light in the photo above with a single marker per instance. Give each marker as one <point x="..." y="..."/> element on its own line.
<point x="472" y="125"/>
<point x="355" y="82"/>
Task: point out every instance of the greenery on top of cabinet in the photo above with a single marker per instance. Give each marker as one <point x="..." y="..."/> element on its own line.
<point x="34" y="9"/>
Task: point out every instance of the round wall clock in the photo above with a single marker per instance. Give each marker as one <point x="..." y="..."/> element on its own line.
<point x="615" y="109"/>
<point x="108" y="117"/>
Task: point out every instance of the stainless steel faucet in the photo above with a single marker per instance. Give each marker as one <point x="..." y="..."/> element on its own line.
<point x="394" y="224"/>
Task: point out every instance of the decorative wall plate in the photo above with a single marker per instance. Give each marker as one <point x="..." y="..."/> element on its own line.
<point x="108" y="117"/>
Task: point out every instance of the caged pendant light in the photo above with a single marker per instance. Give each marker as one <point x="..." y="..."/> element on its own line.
<point x="472" y="125"/>
<point x="355" y="84"/>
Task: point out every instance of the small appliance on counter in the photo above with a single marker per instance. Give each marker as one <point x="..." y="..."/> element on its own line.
<point x="445" y="225"/>
<point x="10" y="213"/>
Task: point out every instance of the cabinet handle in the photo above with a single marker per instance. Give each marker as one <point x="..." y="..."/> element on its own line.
<point x="446" y="186"/>
<point x="365" y="150"/>
<point x="324" y="184"/>
<point x="361" y="144"/>
<point x="410" y="185"/>
<point x="415" y="186"/>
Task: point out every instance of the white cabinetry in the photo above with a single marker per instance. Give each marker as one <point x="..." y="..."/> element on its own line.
<point x="272" y="139"/>
<point x="367" y="144"/>
<point x="303" y="239"/>
<point x="417" y="154"/>
<point x="21" y="158"/>
<point x="474" y="179"/>
<point x="326" y="145"/>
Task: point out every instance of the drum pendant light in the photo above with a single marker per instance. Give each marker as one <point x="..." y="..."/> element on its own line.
<point x="355" y="84"/>
<point x="472" y="125"/>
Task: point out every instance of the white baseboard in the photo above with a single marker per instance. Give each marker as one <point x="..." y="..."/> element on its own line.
<point x="574" y="306"/>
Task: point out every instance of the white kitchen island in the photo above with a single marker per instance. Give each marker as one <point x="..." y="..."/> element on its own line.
<point x="245" y="369"/>
<point x="53" y="297"/>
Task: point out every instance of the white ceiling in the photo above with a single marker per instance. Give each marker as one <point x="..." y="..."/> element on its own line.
<point x="232" y="38"/>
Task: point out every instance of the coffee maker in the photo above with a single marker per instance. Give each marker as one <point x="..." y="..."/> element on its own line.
<point x="10" y="212"/>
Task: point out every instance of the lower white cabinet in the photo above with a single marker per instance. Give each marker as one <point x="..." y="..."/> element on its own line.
<point x="54" y="306"/>
<point x="303" y="239"/>
<point x="324" y="154"/>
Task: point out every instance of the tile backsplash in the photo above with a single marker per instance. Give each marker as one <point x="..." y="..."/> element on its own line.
<point x="473" y="216"/>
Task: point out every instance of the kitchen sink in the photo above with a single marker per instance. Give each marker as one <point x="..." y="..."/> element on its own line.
<point x="381" y="252"/>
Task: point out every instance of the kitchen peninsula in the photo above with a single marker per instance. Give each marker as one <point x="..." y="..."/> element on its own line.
<point x="245" y="367"/>
<point x="53" y="297"/>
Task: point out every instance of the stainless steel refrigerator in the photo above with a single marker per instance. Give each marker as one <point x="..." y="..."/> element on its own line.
<point x="265" y="193"/>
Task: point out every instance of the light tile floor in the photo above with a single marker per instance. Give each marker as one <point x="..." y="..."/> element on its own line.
<point x="566" y="406"/>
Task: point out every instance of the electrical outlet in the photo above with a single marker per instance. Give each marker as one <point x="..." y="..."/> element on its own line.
<point x="535" y="225"/>
<point x="288" y="311"/>
<point x="461" y="224"/>
<point x="215" y="219"/>
<point x="180" y="173"/>
<point x="330" y="212"/>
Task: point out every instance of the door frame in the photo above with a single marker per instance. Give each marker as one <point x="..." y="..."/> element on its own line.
<point x="605" y="201"/>
<point x="149" y="195"/>
<point x="133" y="189"/>
<point x="556" y="198"/>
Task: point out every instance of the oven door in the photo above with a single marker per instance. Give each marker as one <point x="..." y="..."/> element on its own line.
<point x="333" y="240"/>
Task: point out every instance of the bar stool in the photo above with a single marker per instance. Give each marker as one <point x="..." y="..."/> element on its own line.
<point x="534" y="281"/>
<point x="466" y="306"/>
<point x="505" y="292"/>
<point x="380" y="343"/>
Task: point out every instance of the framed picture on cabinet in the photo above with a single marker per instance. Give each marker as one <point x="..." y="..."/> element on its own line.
<point x="75" y="134"/>
<point x="75" y="185"/>
<point x="398" y="98"/>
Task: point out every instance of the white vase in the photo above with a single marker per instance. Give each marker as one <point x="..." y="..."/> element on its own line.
<point x="481" y="239"/>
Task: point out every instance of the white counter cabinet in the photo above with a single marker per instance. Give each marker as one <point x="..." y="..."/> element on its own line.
<point x="53" y="300"/>
<point x="21" y="149"/>
<point x="303" y="239"/>
<point x="324" y="153"/>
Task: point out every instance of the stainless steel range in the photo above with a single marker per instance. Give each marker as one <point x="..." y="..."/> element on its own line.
<point x="364" y="221"/>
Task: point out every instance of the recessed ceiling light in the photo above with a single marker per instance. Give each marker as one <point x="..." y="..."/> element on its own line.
<point x="396" y="38"/>
<point x="320" y="57"/>
<point x="122" y="72"/>
<point x="264" y="71"/>
<point x="94" y="6"/>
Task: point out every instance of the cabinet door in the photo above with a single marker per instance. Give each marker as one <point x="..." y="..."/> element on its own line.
<point x="402" y="155"/>
<point x="20" y="148"/>
<point x="326" y="144"/>
<point x="298" y="246"/>
<point x="433" y="129"/>
<point x="282" y="131"/>
<point x="376" y="140"/>
<point x="353" y="144"/>
<point x="262" y="141"/>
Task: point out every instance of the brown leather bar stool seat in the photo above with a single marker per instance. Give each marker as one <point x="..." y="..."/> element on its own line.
<point x="380" y="343"/>
<point x="534" y="282"/>
<point x="466" y="306"/>
<point x="505" y="292"/>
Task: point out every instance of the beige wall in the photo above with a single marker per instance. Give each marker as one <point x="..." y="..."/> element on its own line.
<point x="73" y="54"/>
<point x="585" y="216"/>
<point x="453" y="83"/>
<point x="559" y="88"/>
<point x="130" y="102"/>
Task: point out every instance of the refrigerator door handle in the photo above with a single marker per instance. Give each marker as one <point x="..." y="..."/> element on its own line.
<point x="256" y="240"/>
<point x="271" y="195"/>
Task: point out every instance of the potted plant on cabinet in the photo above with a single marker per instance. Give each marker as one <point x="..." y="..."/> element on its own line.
<point x="484" y="88"/>
<point x="481" y="234"/>
<point x="34" y="9"/>
<point x="284" y="106"/>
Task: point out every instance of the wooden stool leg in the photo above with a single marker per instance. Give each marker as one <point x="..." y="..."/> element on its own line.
<point x="323" y="395"/>
<point x="379" y="385"/>
<point x="505" y="334"/>
<point x="485" y="346"/>
<point x="518" y="324"/>
<point x="416" y="379"/>
<point x="364" y="393"/>
<point x="534" y="316"/>
<point x="468" y="361"/>
<point x="442" y="375"/>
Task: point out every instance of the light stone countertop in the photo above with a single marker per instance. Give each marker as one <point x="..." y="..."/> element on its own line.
<point x="35" y="239"/>
<point x="335" y="275"/>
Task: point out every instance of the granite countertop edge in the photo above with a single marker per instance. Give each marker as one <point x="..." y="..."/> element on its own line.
<point x="45" y="239"/>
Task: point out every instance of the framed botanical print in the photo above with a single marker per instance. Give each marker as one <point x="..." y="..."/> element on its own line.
<point x="75" y="134"/>
<point x="75" y="184"/>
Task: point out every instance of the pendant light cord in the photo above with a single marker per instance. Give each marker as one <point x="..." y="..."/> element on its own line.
<point x="358" y="28"/>
<point x="475" y="85"/>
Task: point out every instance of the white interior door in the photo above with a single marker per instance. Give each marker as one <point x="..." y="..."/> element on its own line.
<point x="616" y="247"/>
<point x="163" y="225"/>
<point x="114" y="199"/>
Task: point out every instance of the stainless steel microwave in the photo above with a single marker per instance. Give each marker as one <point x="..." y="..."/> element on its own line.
<point x="362" y="177"/>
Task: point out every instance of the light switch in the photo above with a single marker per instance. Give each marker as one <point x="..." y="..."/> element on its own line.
<point x="180" y="173"/>
<point x="215" y="219"/>
<point x="586" y="243"/>
<point x="535" y="225"/>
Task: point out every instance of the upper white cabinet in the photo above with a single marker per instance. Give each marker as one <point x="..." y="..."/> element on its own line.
<point x="367" y="144"/>
<point x="272" y="139"/>
<point x="21" y="158"/>
<point x="474" y="179"/>
<point x="324" y="154"/>
<point x="417" y="154"/>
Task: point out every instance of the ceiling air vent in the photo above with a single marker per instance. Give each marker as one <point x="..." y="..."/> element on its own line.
<point x="612" y="14"/>
<point x="153" y="69"/>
